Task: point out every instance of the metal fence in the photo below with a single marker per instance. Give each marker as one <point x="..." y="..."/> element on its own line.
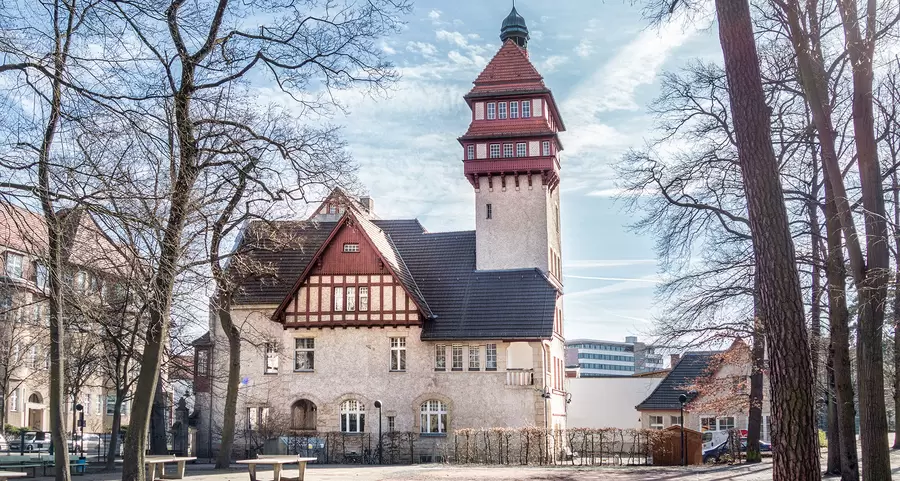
<point x="94" y="447"/>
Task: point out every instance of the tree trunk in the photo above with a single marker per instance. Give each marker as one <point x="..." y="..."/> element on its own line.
<point x="755" y="418"/>
<point x="833" y="465"/>
<point x="234" y="380"/>
<point x="896" y="192"/>
<point x="113" y="448"/>
<point x="796" y="456"/>
<point x="838" y="319"/>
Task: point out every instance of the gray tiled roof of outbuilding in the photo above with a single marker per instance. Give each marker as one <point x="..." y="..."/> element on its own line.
<point x="666" y="395"/>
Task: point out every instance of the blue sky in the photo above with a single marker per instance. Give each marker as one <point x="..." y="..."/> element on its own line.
<point x="602" y="63"/>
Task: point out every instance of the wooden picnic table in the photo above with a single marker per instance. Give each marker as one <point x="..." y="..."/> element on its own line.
<point x="153" y="461"/>
<point x="5" y="475"/>
<point x="277" y="463"/>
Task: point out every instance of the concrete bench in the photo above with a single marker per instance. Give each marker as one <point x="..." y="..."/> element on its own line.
<point x="277" y="463"/>
<point x="5" y="475"/>
<point x="152" y="462"/>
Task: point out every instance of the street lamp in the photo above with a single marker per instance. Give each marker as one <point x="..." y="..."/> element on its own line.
<point x="683" y="400"/>
<point x="378" y="405"/>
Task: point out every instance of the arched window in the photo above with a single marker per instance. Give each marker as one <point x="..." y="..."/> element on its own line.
<point x="303" y="415"/>
<point x="35" y="398"/>
<point x="434" y="417"/>
<point x="353" y="416"/>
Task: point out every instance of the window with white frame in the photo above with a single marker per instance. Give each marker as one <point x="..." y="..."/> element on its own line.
<point x="514" y="110"/>
<point x="526" y="109"/>
<point x="304" y="354"/>
<point x="14" y="400"/>
<point x="502" y="110"/>
<point x="110" y="404"/>
<point x="353" y="416"/>
<point x="456" y="357"/>
<point x="491" y="110"/>
<point x="545" y="147"/>
<point x="656" y="422"/>
<point x="87" y="404"/>
<point x="490" y="357"/>
<point x="440" y="357"/>
<point x="338" y="299"/>
<point x="363" y="298"/>
<point x="33" y="357"/>
<point x="14" y="265"/>
<point x="507" y="150"/>
<point x="271" y="358"/>
<point x="470" y="151"/>
<point x="398" y="354"/>
<point x="433" y="417"/>
<point x="675" y="420"/>
<point x="98" y="408"/>
<point x="726" y="423"/>
<point x="707" y="423"/>
<point x="474" y="358"/>
<point x="202" y="362"/>
<point x="351" y="299"/>
<point x="41" y="275"/>
<point x="495" y="151"/>
<point x="351" y="247"/>
<point x="521" y="149"/>
<point x="256" y="417"/>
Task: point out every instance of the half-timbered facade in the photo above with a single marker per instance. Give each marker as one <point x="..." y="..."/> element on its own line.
<point x="448" y="330"/>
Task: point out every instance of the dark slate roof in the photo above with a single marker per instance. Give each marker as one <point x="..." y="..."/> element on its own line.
<point x="203" y="340"/>
<point x="691" y="366"/>
<point x="439" y="269"/>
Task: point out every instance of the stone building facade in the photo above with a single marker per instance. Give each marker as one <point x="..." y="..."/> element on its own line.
<point x="447" y="330"/>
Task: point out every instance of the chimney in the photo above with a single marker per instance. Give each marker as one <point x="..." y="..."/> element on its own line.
<point x="674" y="358"/>
<point x="368" y="203"/>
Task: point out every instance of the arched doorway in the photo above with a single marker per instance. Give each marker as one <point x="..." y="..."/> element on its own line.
<point x="303" y="415"/>
<point x="36" y="411"/>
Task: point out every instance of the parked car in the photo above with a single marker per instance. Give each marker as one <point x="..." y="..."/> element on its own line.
<point x="32" y="441"/>
<point x="91" y="444"/>
<point x="716" y="452"/>
<point x="4" y="446"/>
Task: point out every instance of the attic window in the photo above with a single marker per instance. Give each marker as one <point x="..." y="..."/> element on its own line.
<point x="351" y="247"/>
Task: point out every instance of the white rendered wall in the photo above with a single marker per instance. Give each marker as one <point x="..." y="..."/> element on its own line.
<point x="608" y="402"/>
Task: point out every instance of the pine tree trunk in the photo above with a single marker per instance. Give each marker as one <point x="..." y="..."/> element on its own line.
<point x="838" y="319"/>
<point x="833" y="465"/>
<point x="754" y="419"/>
<point x="796" y="456"/>
<point x="895" y="188"/>
<point x="234" y="380"/>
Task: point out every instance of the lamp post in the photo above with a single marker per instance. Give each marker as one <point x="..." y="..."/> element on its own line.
<point x="378" y="405"/>
<point x="682" y="399"/>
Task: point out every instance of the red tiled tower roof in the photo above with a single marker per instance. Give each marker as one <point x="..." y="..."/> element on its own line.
<point x="509" y="70"/>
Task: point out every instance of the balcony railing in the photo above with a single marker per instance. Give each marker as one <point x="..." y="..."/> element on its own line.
<point x="520" y="377"/>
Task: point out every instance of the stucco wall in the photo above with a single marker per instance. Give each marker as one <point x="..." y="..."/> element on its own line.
<point x="516" y="235"/>
<point x="608" y="402"/>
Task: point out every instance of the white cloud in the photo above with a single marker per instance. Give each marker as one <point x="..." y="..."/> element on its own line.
<point x="584" y="48"/>
<point x="387" y="48"/>
<point x="434" y="15"/>
<point x="455" y="38"/>
<point x="553" y="62"/>
<point x="602" y="263"/>
<point x="422" y="48"/>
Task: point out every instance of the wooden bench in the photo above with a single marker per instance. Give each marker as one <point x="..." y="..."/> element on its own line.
<point x="153" y="461"/>
<point x="5" y="475"/>
<point x="277" y="463"/>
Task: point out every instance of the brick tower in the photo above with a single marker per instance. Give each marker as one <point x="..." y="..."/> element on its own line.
<point x="511" y="157"/>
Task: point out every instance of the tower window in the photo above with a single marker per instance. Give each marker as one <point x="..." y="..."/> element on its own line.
<point x="545" y="146"/>
<point x="520" y="149"/>
<point x="526" y="109"/>
<point x="351" y="247"/>
<point x="495" y="151"/>
<point x="489" y="211"/>
<point x="470" y="151"/>
<point x="502" y="110"/>
<point x="514" y="110"/>
<point x="492" y="111"/>
<point x="507" y="150"/>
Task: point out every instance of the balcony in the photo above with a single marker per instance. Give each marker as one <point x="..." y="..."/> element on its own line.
<point x="520" y="377"/>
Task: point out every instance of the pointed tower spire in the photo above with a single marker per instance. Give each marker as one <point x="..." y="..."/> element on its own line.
<point x="514" y="27"/>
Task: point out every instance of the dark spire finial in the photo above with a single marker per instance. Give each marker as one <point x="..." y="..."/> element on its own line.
<point x="514" y="27"/>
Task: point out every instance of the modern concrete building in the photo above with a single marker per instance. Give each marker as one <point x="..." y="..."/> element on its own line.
<point x="613" y="358"/>
<point x="447" y="330"/>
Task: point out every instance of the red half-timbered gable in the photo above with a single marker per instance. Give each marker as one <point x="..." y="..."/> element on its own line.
<point x="349" y="283"/>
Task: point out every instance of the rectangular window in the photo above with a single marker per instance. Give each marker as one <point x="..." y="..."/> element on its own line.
<point x="14" y="401"/>
<point x="521" y="149"/>
<point x="271" y="358"/>
<point x="507" y="150"/>
<point x="110" y="404"/>
<point x="495" y="151"/>
<point x="33" y="357"/>
<point x="256" y="417"/>
<point x="202" y="362"/>
<point x="707" y="423"/>
<point x="392" y="425"/>
<point x="489" y="211"/>
<point x="99" y="405"/>
<point x="41" y="275"/>
<point x="456" y="357"/>
<point x="363" y="298"/>
<point x="398" y="354"/>
<point x="351" y="247"/>
<point x="470" y="151"/>
<point x="338" y="299"/>
<point x="545" y="147"/>
<point x="304" y="354"/>
<point x="351" y="299"/>
<point x="514" y="110"/>
<point x="502" y="111"/>
<point x="474" y="358"/>
<point x="526" y="109"/>
<point x="14" y="265"/>
<point x="726" y="423"/>
<point x="492" y="111"/>
<point x="440" y="357"/>
<point x="656" y="422"/>
<point x="490" y="357"/>
<point x="675" y="420"/>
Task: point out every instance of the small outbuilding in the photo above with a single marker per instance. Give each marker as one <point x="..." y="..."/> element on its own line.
<point x="666" y="449"/>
